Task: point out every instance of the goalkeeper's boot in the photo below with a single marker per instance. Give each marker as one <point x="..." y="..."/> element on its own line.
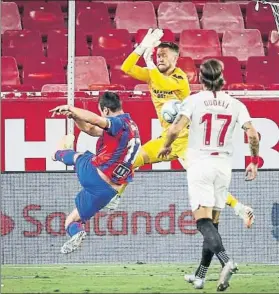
<point x="246" y="213"/>
<point x="197" y="282"/>
<point x="72" y="244"/>
<point x="228" y="270"/>
<point x="67" y="142"/>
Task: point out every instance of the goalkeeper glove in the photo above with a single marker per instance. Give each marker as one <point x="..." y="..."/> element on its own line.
<point x="246" y="213"/>
<point x="151" y="39"/>
<point x="148" y="58"/>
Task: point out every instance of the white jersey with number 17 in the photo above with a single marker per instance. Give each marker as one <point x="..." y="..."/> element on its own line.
<point x="213" y="121"/>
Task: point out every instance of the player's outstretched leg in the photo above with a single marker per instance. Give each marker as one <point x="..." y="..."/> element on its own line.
<point x="65" y="152"/>
<point x="75" y="230"/>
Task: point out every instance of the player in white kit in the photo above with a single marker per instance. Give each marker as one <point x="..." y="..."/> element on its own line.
<point x="213" y="115"/>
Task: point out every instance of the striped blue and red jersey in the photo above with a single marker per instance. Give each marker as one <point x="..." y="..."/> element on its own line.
<point x="117" y="149"/>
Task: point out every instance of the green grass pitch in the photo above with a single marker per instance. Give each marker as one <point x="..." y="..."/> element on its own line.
<point x="131" y="278"/>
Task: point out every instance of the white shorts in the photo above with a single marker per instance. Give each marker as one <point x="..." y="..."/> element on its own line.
<point x="208" y="182"/>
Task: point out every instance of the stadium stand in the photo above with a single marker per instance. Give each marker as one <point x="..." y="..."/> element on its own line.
<point x="111" y="29"/>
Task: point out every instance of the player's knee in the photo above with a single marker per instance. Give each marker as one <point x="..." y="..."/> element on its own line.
<point x="209" y="232"/>
<point x="216" y="217"/>
<point x="141" y="159"/>
<point x="66" y="156"/>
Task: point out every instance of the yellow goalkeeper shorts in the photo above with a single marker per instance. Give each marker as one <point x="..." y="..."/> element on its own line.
<point x="152" y="148"/>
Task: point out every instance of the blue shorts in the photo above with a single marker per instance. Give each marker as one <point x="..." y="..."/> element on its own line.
<point x="96" y="193"/>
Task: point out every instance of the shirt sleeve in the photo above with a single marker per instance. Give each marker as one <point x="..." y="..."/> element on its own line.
<point x="115" y="124"/>
<point x="243" y="115"/>
<point x="187" y="108"/>
<point x="130" y="68"/>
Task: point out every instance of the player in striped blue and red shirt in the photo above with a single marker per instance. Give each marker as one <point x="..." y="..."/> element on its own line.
<point x="102" y="174"/>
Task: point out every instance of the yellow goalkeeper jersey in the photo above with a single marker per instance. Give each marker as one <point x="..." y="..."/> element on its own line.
<point x="162" y="88"/>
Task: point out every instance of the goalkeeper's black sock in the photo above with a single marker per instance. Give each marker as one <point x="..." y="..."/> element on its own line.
<point x="213" y="239"/>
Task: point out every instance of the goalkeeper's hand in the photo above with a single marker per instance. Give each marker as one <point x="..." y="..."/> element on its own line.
<point x="114" y="202"/>
<point x="246" y="213"/>
<point x="148" y="58"/>
<point x="151" y="40"/>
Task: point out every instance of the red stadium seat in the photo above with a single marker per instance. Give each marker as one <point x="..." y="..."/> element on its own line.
<point x="90" y="70"/>
<point x="57" y="44"/>
<point x="141" y="87"/>
<point x="17" y="88"/>
<point x="167" y="37"/>
<point x="10" y="18"/>
<point x="54" y="88"/>
<point x="38" y="72"/>
<point x="242" y="44"/>
<point x="243" y="86"/>
<point x="112" y="4"/>
<point x="89" y="20"/>
<point x="273" y="87"/>
<point x="112" y="44"/>
<point x="9" y="71"/>
<point x="111" y="87"/>
<point x="21" y="44"/>
<point x="263" y="19"/>
<point x="83" y="5"/>
<point x="273" y="43"/>
<point x="262" y="70"/>
<point x="232" y="69"/>
<point x="135" y="15"/>
<point x="198" y="44"/>
<point x="42" y="16"/>
<point x="178" y="16"/>
<point x="117" y="76"/>
<point x="39" y="5"/>
<point x="221" y="17"/>
<point x="188" y="66"/>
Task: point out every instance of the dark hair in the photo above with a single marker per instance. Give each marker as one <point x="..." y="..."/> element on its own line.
<point x="211" y="74"/>
<point x="172" y="46"/>
<point x="110" y="100"/>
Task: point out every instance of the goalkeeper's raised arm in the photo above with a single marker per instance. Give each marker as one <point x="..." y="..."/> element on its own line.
<point x="165" y="80"/>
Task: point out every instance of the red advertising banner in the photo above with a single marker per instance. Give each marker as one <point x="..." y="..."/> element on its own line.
<point x="29" y="134"/>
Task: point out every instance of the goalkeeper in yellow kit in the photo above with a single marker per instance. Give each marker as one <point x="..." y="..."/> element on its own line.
<point x="166" y="81"/>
